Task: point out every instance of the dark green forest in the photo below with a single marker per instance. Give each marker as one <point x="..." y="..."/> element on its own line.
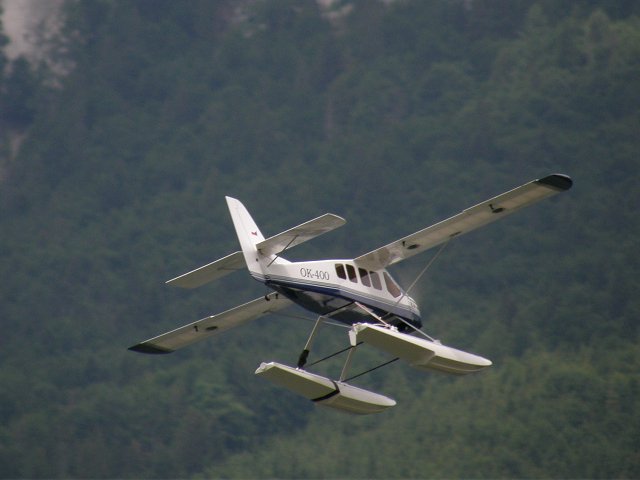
<point x="394" y="115"/>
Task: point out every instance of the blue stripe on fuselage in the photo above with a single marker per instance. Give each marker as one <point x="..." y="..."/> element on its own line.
<point x="324" y="300"/>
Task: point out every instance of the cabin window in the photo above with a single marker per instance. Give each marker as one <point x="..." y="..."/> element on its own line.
<point x="364" y="276"/>
<point x="351" y="273"/>
<point x="340" y="271"/>
<point x="375" y="279"/>
<point x="391" y="285"/>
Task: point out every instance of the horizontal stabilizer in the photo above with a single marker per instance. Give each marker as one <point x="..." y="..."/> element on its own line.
<point x="420" y="352"/>
<point x="210" y="272"/>
<point x="324" y="391"/>
<point x="466" y="221"/>
<point x="196" y="331"/>
<point x="300" y="234"/>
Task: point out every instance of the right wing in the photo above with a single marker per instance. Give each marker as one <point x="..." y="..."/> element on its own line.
<point x="206" y="327"/>
<point x="466" y="221"/>
<point x="210" y="272"/>
<point x="297" y="235"/>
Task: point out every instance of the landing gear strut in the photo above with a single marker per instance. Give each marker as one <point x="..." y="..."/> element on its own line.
<point x="302" y="359"/>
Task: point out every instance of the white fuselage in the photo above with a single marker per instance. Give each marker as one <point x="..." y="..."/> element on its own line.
<point x="330" y="287"/>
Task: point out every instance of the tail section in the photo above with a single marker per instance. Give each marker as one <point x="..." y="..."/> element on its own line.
<point x="259" y="253"/>
<point x="248" y="234"/>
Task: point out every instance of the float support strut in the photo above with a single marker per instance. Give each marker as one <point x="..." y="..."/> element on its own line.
<point x="302" y="359"/>
<point x="347" y="362"/>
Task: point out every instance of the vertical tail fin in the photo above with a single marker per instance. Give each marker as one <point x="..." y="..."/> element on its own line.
<point x="248" y="233"/>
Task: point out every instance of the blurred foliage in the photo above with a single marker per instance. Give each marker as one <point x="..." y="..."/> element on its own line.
<point x="393" y="115"/>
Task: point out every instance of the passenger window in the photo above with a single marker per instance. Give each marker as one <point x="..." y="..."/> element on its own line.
<point x="391" y="286"/>
<point x="375" y="279"/>
<point x="351" y="273"/>
<point x="340" y="271"/>
<point x="364" y="276"/>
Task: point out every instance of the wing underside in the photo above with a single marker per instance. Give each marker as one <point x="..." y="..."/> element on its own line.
<point x="209" y="326"/>
<point x="297" y="235"/>
<point x="466" y="221"/>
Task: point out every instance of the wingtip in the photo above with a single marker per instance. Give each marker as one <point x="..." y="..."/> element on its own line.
<point x="559" y="181"/>
<point x="179" y="283"/>
<point x="149" y="349"/>
<point x="338" y="218"/>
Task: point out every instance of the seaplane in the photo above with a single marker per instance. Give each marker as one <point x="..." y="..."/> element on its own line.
<point x="358" y="293"/>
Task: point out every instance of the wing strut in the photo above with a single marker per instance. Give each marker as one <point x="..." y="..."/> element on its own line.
<point x="283" y="250"/>
<point x="424" y="270"/>
<point x="413" y="284"/>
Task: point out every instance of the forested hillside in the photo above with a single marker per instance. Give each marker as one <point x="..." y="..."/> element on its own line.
<point x="393" y="115"/>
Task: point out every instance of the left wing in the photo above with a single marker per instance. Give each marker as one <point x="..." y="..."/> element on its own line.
<point x="209" y="272"/>
<point x="466" y="221"/>
<point x="196" y="331"/>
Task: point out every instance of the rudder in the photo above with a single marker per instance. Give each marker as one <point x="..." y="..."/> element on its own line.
<point x="248" y="233"/>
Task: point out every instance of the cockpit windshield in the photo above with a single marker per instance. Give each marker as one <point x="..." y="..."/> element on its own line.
<point x="368" y="278"/>
<point x="393" y="288"/>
